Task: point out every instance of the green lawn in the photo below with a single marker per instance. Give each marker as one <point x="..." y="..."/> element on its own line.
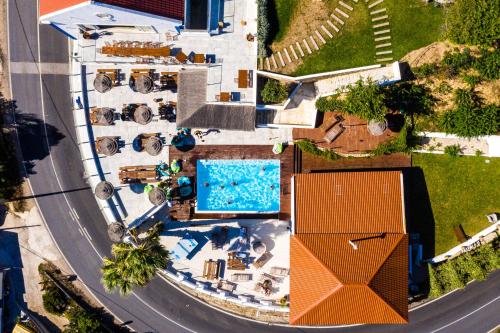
<point x="413" y="25"/>
<point x="283" y="13"/>
<point x="462" y="191"/>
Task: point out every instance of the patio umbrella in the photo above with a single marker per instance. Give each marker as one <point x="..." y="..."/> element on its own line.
<point x="259" y="247"/>
<point x="116" y="231"/>
<point x="143" y="115"/>
<point x="104" y="190"/>
<point x="157" y="196"/>
<point x="105" y="116"/>
<point x="102" y="83"/>
<point x="108" y="146"/>
<point x="144" y="84"/>
<point x="376" y="127"/>
<point x="153" y="145"/>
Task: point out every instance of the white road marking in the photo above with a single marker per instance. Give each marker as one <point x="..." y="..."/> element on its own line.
<point x="71" y="215"/>
<point x="467" y="315"/>
<point x="86" y="233"/>
<point x="80" y="229"/>
<point x="76" y="214"/>
<point x="28" y="67"/>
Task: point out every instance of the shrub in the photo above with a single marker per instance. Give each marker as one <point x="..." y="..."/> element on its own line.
<point x="394" y="145"/>
<point x="263" y="27"/>
<point x="444" y="88"/>
<point x="54" y="300"/>
<point x="469" y="268"/>
<point x="450" y="278"/>
<point x="473" y="22"/>
<point x="488" y="65"/>
<point x="471" y="80"/>
<point x="81" y="321"/>
<point x="329" y="103"/>
<point x="458" y="60"/>
<point x="409" y="98"/>
<point x="274" y="92"/>
<point x="469" y="118"/>
<point x="425" y="70"/>
<point x="479" y="153"/>
<point x="435" y="287"/>
<point x="453" y="150"/>
<point x="487" y="258"/>
<point x="309" y="147"/>
<point x="365" y="100"/>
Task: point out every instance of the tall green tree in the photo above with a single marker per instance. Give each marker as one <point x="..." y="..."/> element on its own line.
<point x="81" y="321"/>
<point x="134" y="264"/>
<point x="474" y="22"/>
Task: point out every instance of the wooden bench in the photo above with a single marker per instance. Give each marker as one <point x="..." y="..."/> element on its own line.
<point x="211" y="269"/>
<point x="113" y="74"/>
<point x="138" y="174"/>
<point x="263" y="259"/>
<point x="241" y="277"/>
<point x="332" y="121"/>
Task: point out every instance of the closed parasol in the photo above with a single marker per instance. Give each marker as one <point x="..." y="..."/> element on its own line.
<point x="107" y="146"/>
<point x="104" y="190"/>
<point x="144" y="84"/>
<point x="377" y="127"/>
<point x="104" y="116"/>
<point x="143" y="115"/>
<point x="116" y="231"/>
<point x="258" y="247"/>
<point x="103" y="83"/>
<point x="157" y="196"/>
<point x="153" y="145"/>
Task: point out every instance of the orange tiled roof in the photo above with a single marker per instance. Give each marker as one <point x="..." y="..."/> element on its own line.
<point x="51" y="6"/>
<point x="342" y="202"/>
<point x="332" y="283"/>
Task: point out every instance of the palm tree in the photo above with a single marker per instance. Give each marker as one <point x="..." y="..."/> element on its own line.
<point x="134" y="264"/>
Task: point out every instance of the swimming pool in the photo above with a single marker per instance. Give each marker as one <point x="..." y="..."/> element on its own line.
<point x="243" y="186"/>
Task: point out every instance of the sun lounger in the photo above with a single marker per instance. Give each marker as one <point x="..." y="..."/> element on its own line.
<point x="211" y="269"/>
<point x="263" y="259"/>
<point x="241" y="277"/>
<point x="330" y="122"/>
<point x="280" y="271"/>
<point x="333" y="133"/>
<point x="184" y="247"/>
<point x="226" y="286"/>
<point x="265" y="276"/>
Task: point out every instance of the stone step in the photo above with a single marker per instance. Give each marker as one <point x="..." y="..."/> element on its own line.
<point x="280" y="57"/>
<point x="307" y="46"/>
<point x="299" y="48"/>
<point x="384" y="59"/>
<point x="332" y="25"/>
<point x="343" y="4"/>
<point x="314" y="42"/>
<point x="378" y="11"/>
<point x="384" y="52"/>
<point x="381" y="32"/>
<point x="382" y="38"/>
<point x="293" y="52"/>
<point x="325" y="30"/>
<point x="341" y="13"/>
<point x="320" y="37"/>
<point x="287" y="55"/>
<point x="337" y="19"/>
<point x="268" y="65"/>
<point x="380" y="18"/>
<point x="275" y="65"/>
<point x="382" y="45"/>
<point x="380" y="25"/>
<point x="373" y="4"/>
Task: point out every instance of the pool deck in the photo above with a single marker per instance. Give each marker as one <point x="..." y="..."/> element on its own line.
<point x="234" y="152"/>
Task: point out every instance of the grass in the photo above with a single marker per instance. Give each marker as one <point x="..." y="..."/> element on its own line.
<point x="413" y="25"/>
<point x="462" y="190"/>
<point x="284" y="10"/>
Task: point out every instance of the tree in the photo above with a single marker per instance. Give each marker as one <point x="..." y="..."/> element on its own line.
<point x="54" y="300"/>
<point x="469" y="267"/>
<point x="450" y="278"/>
<point x="474" y="22"/>
<point x="81" y="321"/>
<point x="435" y="288"/>
<point x="274" y="92"/>
<point x="409" y="98"/>
<point x="365" y="100"/>
<point x="134" y="265"/>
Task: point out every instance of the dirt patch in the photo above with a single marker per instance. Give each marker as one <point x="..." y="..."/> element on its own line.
<point x="432" y="53"/>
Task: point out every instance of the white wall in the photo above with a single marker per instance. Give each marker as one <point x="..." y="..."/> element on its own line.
<point x="68" y="20"/>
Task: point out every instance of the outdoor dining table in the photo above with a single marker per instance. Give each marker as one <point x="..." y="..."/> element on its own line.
<point x="121" y="51"/>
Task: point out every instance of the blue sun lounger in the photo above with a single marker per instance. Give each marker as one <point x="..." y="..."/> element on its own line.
<point x="184" y="247"/>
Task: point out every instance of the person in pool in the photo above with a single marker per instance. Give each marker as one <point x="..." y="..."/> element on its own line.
<point x="206" y="184"/>
<point x="233" y="183"/>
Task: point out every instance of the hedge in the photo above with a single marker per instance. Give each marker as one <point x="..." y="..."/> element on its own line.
<point x="309" y="147"/>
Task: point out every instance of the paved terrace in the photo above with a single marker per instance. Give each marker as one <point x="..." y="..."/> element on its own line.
<point x="273" y="233"/>
<point x="236" y="152"/>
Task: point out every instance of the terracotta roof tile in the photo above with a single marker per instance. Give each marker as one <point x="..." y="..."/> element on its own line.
<point x="167" y="8"/>
<point x="51" y="6"/>
<point x="354" y="202"/>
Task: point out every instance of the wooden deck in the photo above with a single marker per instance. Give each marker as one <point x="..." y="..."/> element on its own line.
<point x="354" y="140"/>
<point x="234" y="152"/>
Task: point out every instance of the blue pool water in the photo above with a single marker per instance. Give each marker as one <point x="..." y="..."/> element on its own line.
<point x="238" y="186"/>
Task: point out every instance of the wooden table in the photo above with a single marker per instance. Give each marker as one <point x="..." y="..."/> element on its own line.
<point x="199" y="58"/>
<point x="181" y="57"/>
<point x="224" y="97"/>
<point x="120" y="51"/>
<point x="243" y="78"/>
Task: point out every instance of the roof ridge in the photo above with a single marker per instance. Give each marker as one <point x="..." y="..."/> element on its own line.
<point x="388" y="305"/>
<point x="382" y="262"/>
<point x="316" y="258"/>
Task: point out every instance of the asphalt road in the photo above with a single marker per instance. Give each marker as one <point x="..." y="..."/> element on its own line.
<point x="56" y="175"/>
